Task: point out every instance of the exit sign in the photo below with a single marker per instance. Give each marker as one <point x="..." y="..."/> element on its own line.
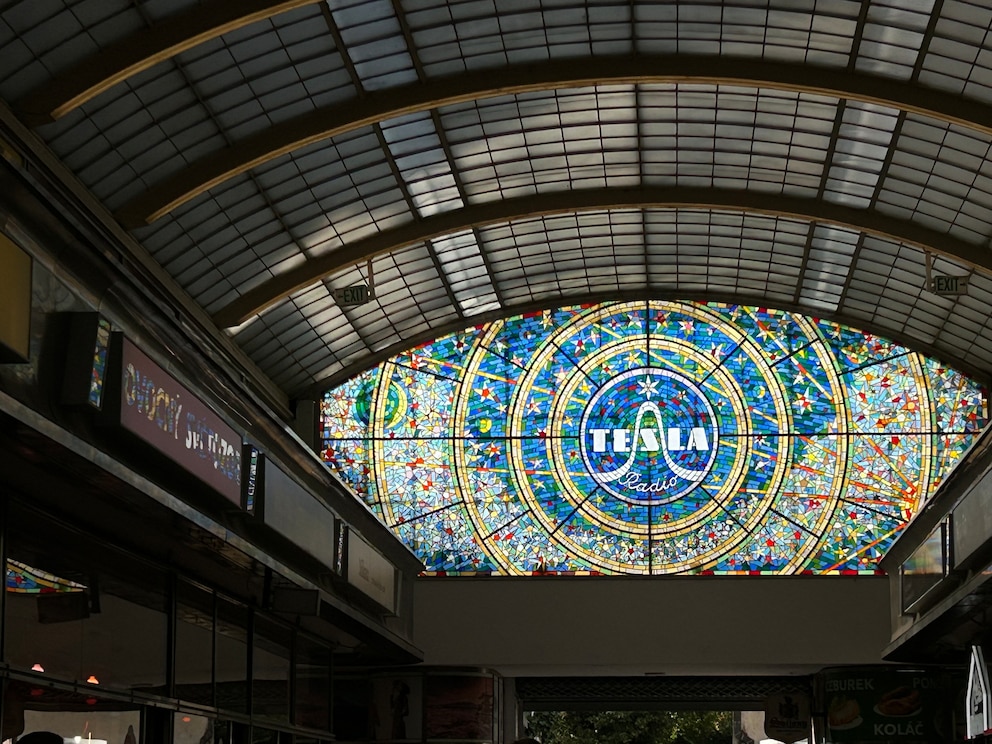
<point x="949" y="285"/>
<point x="355" y="295"/>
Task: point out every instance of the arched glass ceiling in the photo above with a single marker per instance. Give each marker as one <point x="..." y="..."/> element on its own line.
<point x="651" y="437"/>
<point x="868" y="282"/>
<point x="278" y="143"/>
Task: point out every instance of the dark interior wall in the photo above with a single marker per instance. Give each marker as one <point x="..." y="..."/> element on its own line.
<point x="674" y="625"/>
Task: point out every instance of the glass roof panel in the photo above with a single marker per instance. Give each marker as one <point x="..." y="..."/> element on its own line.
<point x="416" y="148"/>
<point x="957" y="59"/>
<point x="39" y="40"/>
<point x="863" y="141"/>
<point x="893" y="37"/>
<point x="371" y="31"/>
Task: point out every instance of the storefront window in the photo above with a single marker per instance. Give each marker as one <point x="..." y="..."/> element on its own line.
<point x="354" y="714"/>
<point x="232" y="656"/>
<point x="188" y="728"/>
<point x="74" y="716"/>
<point x="82" y="615"/>
<point x="313" y="684"/>
<point x="271" y="670"/>
<point x="106" y="623"/>
<point x="194" y="644"/>
<point x="266" y="736"/>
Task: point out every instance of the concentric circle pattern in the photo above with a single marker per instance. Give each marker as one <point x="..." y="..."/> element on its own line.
<point x="650" y="438"/>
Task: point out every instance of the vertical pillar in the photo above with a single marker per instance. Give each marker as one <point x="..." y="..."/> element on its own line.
<point x="511" y="717"/>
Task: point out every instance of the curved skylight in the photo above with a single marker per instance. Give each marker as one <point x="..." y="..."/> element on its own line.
<point x="651" y="438"/>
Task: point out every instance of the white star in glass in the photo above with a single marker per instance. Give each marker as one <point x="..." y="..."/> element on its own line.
<point x="647" y="387"/>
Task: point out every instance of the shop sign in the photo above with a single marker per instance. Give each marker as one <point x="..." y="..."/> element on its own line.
<point x="877" y="704"/>
<point x="370" y="573"/>
<point x="787" y="717"/>
<point x="169" y="418"/>
<point x="977" y="700"/>
<point x="296" y="514"/>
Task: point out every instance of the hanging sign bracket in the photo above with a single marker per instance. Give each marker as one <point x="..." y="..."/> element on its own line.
<point x="356" y="294"/>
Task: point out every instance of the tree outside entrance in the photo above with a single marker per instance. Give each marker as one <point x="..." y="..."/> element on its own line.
<point x="632" y="727"/>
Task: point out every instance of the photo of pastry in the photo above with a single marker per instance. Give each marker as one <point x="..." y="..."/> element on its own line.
<point x="843" y="713"/>
<point x="899" y="702"/>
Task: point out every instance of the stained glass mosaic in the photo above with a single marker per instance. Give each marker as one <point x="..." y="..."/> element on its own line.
<point x="651" y="438"/>
<point x="25" y="579"/>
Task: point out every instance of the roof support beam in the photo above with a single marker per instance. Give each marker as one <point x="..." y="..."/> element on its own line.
<point x="324" y="123"/>
<point x="142" y="50"/>
<point x="595" y="200"/>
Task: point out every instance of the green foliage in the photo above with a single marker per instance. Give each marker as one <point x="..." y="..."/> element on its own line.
<point x="632" y="727"/>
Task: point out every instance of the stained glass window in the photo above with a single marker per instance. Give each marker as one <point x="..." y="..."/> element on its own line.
<point x="651" y="438"/>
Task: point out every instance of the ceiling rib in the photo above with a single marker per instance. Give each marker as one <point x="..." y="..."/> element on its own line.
<point x="328" y="122"/>
<point x="140" y="51"/>
<point x="586" y="200"/>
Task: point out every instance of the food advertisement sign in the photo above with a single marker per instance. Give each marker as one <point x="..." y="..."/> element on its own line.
<point x="869" y="705"/>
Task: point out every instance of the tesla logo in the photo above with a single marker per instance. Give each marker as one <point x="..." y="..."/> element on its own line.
<point x="654" y="450"/>
<point x="620" y="439"/>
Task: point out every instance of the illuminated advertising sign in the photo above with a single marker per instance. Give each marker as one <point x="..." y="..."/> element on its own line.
<point x="169" y="418"/>
<point x="876" y="705"/>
